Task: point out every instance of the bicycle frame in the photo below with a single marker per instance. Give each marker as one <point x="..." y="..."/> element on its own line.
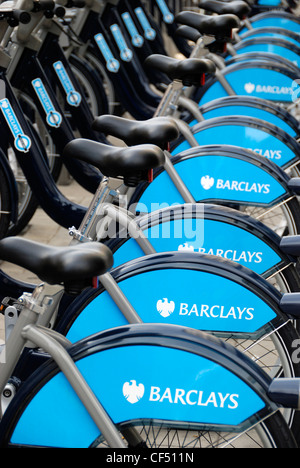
<point x="33" y="162"/>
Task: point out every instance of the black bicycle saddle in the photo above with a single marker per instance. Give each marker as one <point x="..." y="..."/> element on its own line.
<point x="218" y="26"/>
<point x="159" y="131"/>
<point x="189" y="71"/>
<point x="58" y="265"/>
<point x="131" y="163"/>
<point x="238" y="7"/>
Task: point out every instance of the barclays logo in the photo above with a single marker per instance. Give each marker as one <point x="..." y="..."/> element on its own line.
<point x="216" y="311"/>
<point x="249" y="88"/>
<point x="207" y="182"/>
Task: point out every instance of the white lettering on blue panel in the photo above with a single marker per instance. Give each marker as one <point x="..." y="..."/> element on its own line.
<point x="112" y="64"/>
<point x="22" y="142"/>
<point x="149" y="32"/>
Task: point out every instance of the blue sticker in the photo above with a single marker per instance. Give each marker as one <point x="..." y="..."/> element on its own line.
<point x="168" y="17"/>
<point x="53" y="118"/>
<point x="136" y="39"/>
<point x="157" y="383"/>
<point x="22" y="142"/>
<point x="283" y="52"/>
<point x="218" y="305"/>
<point x="73" y="97"/>
<point x="250" y="111"/>
<point x="112" y="64"/>
<point x="149" y="32"/>
<point x="125" y="53"/>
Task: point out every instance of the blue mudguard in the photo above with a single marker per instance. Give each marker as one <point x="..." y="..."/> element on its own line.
<point x="277" y="19"/>
<point x="252" y="107"/>
<point x="164" y="288"/>
<point x="136" y="372"/>
<point x="271" y="81"/>
<point x="217" y="174"/>
<point x="277" y="46"/>
<point x="12" y="185"/>
<point x="249" y="133"/>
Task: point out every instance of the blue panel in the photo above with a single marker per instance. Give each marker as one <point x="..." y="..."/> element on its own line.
<point x="174" y="296"/>
<point x="205" y="236"/>
<point x="156" y="383"/>
<point x="269" y="2"/>
<point x="215" y="91"/>
<point x="99" y="315"/>
<point x="259" y="141"/>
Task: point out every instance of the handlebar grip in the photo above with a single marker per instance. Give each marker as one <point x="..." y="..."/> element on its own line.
<point x="59" y="11"/>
